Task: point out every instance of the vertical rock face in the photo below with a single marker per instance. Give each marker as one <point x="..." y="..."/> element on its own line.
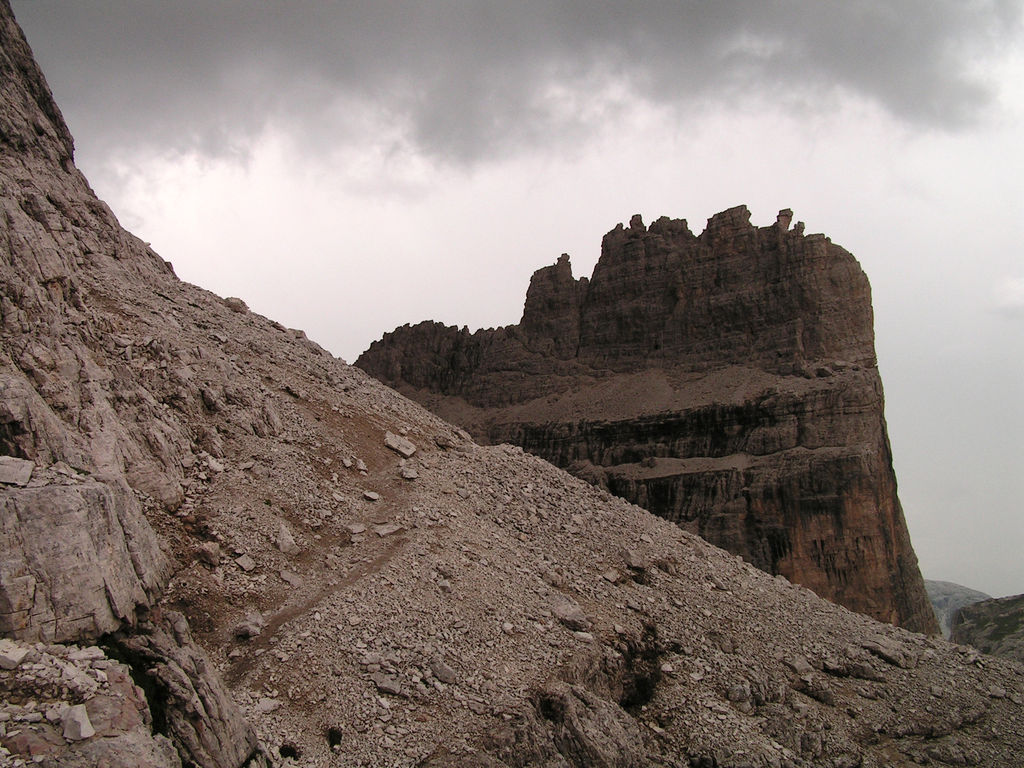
<point x="725" y="381"/>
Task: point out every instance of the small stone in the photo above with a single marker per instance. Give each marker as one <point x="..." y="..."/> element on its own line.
<point x="584" y="637"/>
<point x="285" y="541"/>
<point x="267" y="705"/>
<point x="740" y="692"/>
<point x="570" y="614"/>
<point x="612" y="576"/>
<point x="76" y="724"/>
<point x="386" y="684"/>
<point x="387" y="529"/>
<point x="633" y="559"/>
<point x="251" y="626"/>
<point x="371" y="495"/>
<point x="89" y="653"/>
<point x="11" y="654"/>
<point x="408" y="473"/>
<point x="209" y="552"/>
<point x="443" y="672"/>
<point x="399" y="445"/>
<point x="246" y="563"/>
<point x="355" y="528"/>
<point x="800" y="665"/>
<point x="292" y="579"/>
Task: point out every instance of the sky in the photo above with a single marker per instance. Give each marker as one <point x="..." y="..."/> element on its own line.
<point x="347" y="167"/>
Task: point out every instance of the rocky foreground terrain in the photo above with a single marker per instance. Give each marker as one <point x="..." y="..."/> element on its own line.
<point x="220" y="546"/>
<point x="725" y="381"/>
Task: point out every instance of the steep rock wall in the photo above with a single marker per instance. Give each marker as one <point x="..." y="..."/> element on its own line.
<point x="725" y="381"/>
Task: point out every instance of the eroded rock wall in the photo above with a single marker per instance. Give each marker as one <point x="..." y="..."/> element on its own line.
<point x="725" y="381"/>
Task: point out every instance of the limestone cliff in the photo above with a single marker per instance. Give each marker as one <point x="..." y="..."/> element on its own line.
<point x="725" y="381"/>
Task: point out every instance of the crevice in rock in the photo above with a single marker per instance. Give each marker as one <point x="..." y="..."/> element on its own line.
<point x="138" y="667"/>
<point x="641" y="669"/>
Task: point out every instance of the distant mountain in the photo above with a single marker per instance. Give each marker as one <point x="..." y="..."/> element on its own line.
<point x="725" y="381"/>
<point x="947" y="598"/>
<point x="993" y="626"/>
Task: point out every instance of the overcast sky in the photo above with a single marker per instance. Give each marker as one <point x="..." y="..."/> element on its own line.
<point x="346" y="167"/>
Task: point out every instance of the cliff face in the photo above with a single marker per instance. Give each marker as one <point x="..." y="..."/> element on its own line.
<point x="725" y="381"/>
<point x="948" y="598"/>
<point x="994" y="626"/>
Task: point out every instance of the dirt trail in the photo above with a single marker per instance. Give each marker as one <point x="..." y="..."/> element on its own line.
<point x="361" y="570"/>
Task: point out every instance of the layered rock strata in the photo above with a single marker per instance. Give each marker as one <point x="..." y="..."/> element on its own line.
<point x="725" y="381"/>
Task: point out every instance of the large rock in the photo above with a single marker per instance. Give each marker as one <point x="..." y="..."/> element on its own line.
<point x="198" y="714"/>
<point x="76" y="561"/>
<point x="725" y="381"/>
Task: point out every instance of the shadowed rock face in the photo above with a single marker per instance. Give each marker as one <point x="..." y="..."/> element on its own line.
<point x="993" y="626"/>
<point x="725" y="381"/>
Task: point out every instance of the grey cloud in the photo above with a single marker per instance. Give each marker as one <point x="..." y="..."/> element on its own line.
<point x="466" y="80"/>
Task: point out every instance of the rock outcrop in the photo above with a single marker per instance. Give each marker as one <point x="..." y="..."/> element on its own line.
<point x="994" y="626"/>
<point x="948" y="598"/>
<point x="352" y="581"/>
<point x="725" y="381"/>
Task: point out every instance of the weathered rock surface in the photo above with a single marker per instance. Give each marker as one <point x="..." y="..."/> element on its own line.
<point x="77" y="559"/>
<point x="948" y="598"/>
<point x="417" y="626"/>
<point x="994" y="626"/>
<point x="725" y="381"/>
<point x="74" y="707"/>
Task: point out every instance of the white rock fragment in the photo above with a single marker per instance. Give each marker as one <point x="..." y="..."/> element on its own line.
<point x="399" y="445"/>
<point x="285" y="541"/>
<point x="11" y="654"/>
<point x="76" y="724"/>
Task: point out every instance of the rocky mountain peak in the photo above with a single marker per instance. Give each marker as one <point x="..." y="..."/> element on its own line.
<point x="724" y="381"/>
